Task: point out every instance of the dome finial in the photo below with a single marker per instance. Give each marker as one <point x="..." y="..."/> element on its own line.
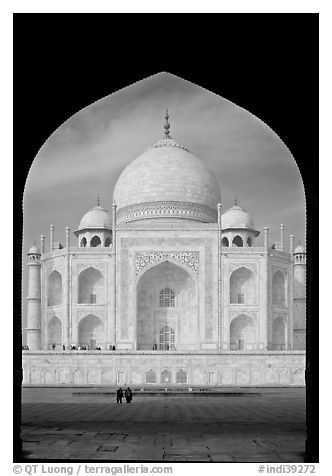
<point x="235" y="200"/>
<point x="167" y="126"/>
<point x="98" y="200"/>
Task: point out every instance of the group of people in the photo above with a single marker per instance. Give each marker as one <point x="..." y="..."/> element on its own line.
<point x="74" y="347"/>
<point x="128" y="395"/>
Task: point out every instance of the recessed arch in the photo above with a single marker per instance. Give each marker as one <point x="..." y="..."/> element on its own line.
<point x="54" y="333"/>
<point x="108" y="241"/>
<point x="166" y="376"/>
<point x="83" y="242"/>
<point x="242" y="286"/>
<point x="225" y="242"/>
<point x="181" y="376"/>
<point x="90" y="286"/>
<point x="242" y="333"/>
<point x="90" y="331"/>
<point x="95" y="242"/>
<point x="279" y="286"/>
<point x="151" y="376"/>
<point x="249" y="242"/>
<point x="54" y="289"/>
<point x="279" y="333"/>
<point x="177" y="307"/>
<point x="237" y="241"/>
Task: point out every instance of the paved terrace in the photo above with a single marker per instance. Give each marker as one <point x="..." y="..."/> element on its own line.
<point x="235" y="425"/>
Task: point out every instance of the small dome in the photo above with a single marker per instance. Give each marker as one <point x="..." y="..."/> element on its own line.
<point x="34" y="250"/>
<point x="236" y="217"/>
<point x="98" y="217"/>
<point x="299" y="249"/>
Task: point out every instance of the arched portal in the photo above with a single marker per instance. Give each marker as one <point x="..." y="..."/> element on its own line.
<point x="242" y="333"/>
<point x="90" y="286"/>
<point x="279" y="334"/>
<point x="54" y="289"/>
<point x="242" y="287"/>
<point x="279" y="289"/>
<point x="167" y="296"/>
<point x="90" y="332"/>
<point x="54" y="333"/>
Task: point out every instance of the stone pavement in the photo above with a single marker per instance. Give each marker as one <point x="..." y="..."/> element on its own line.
<point x="263" y="425"/>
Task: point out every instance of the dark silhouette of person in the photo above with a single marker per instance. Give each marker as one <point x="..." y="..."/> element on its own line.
<point x="119" y="395"/>
<point x="128" y="395"/>
<point x="63" y="347"/>
<point x="113" y="347"/>
<point x="53" y="346"/>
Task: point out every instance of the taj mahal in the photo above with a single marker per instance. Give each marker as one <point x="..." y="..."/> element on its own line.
<point x="171" y="279"/>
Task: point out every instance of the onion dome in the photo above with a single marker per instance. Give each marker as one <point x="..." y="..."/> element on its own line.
<point x="237" y="217"/>
<point x="97" y="218"/>
<point x="34" y="250"/>
<point x="166" y="181"/>
<point x="299" y="249"/>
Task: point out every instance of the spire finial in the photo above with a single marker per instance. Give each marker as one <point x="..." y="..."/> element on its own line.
<point x="98" y="200"/>
<point x="235" y="200"/>
<point x="167" y="125"/>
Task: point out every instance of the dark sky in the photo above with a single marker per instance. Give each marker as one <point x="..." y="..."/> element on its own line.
<point x="85" y="156"/>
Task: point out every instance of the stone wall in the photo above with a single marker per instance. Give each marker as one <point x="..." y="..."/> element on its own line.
<point x="164" y="368"/>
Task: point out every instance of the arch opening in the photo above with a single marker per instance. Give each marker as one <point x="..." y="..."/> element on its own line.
<point x="242" y="333"/>
<point x="54" y="289"/>
<point x="54" y="333"/>
<point x="279" y="284"/>
<point x="167" y="298"/>
<point x="279" y="333"/>
<point x="237" y="241"/>
<point x="83" y="242"/>
<point x="95" y="242"/>
<point x="90" y="286"/>
<point x="90" y="332"/>
<point x="225" y="242"/>
<point x="242" y="287"/>
<point x="108" y="242"/>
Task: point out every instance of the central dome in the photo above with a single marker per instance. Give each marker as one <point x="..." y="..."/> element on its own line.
<point x="166" y="181"/>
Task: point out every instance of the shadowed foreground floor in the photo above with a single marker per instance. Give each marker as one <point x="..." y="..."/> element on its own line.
<point x="256" y="425"/>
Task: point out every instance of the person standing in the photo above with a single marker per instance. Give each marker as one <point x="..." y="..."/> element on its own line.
<point x="128" y="395"/>
<point x="119" y="395"/>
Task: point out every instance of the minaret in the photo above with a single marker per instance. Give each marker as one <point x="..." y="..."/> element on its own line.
<point x="34" y="300"/>
<point x="299" y="265"/>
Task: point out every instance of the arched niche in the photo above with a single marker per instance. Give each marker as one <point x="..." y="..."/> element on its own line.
<point x="108" y="241"/>
<point x="151" y="376"/>
<point x="279" y="284"/>
<point x="181" y="376"/>
<point x="166" y="377"/>
<point x="242" y="333"/>
<point x="237" y="241"/>
<point x="90" y="331"/>
<point x="166" y="294"/>
<point x="95" y="241"/>
<point x="279" y="333"/>
<point x="54" y="289"/>
<point x="54" y="333"/>
<point x="242" y="287"/>
<point x="249" y="242"/>
<point x="83" y="242"/>
<point x="90" y="286"/>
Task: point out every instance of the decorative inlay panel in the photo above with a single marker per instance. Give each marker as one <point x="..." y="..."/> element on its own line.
<point x="190" y="259"/>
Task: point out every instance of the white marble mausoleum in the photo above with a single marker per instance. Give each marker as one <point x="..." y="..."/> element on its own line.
<point x="174" y="282"/>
